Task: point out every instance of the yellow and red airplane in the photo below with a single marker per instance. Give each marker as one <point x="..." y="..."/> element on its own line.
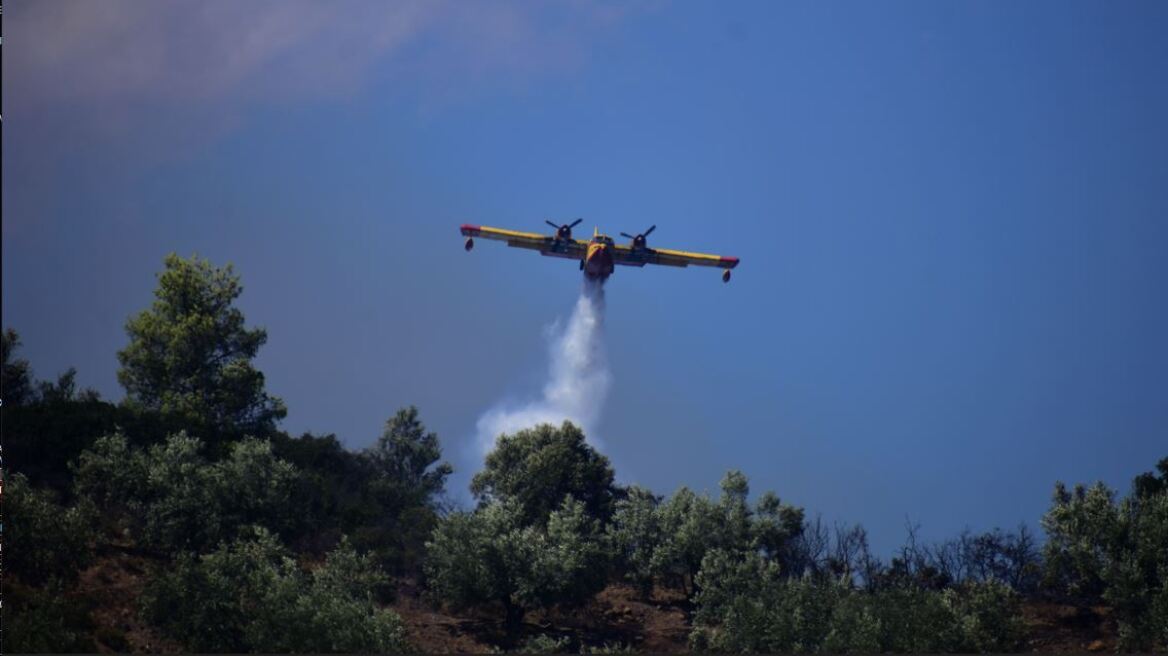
<point x="599" y="255"/>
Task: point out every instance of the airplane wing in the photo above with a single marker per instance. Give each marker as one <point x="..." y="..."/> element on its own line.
<point x="629" y="256"/>
<point x="545" y="244"/>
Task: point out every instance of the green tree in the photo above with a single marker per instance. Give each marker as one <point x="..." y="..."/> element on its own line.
<point x="491" y="555"/>
<point x="1136" y="584"/>
<point x="405" y="461"/>
<point x="540" y="467"/>
<point x="332" y="490"/>
<point x="252" y="596"/>
<point x="1149" y="484"/>
<point x="174" y="499"/>
<point x="47" y="546"/>
<point x="45" y="541"/>
<point x="744" y="605"/>
<point x="16" y="386"/>
<point x="688" y="523"/>
<point x="1083" y="530"/>
<point x="1101" y="549"/>
<point x="402" y="490"/>
<point x="64" y="390"/>
<point x="855" y="626"/>
<point x="776" y="528"/>
<point x="190" y="354"/>
<point x="47" y="423"/>
<point x="46" y="619"/>
<point x="693" y="525"/>
<point x="635" y="532"/>
<point x="989" y="616"/>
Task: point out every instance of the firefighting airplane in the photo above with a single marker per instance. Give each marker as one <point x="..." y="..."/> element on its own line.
<point x="599" y="255"/>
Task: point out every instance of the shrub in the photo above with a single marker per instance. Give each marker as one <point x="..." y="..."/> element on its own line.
<point x="44" y="540"/>
<point x="634" y="533"/>
<point x="692" y="526"/>
<point x="742" y="604"/>
<point x="545" y="644"/>
<point x="174" y="499"/>
<point x="1101" y="550"/>
<point x="539" y="468"/>
<point x="1083" y="529"/>
<point x="45" y="620"/>
<point x="251" y="596"/>
<point x="989" y="616"/>
<point x="490" y="555"/>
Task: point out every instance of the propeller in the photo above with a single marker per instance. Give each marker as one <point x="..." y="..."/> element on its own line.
<point x="564" y="231"/>
<point x="639" y="241"/>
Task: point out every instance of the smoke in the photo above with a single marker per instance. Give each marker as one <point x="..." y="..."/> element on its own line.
<point x="578" y="377"/>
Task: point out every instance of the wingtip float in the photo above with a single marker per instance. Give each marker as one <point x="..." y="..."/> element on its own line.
<point x="598" y="256"/>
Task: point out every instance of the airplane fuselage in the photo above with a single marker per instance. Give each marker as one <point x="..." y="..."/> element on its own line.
<point x="597" y="262"/>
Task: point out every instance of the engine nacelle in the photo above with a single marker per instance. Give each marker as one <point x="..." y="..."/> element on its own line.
<point x="469" y="244"/>
<point x="726" y="275"/>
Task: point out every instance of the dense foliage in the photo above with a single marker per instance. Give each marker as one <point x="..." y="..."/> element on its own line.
<point x="44" y="541"/>
<point x="1101" y="549"/>
<point x="244" y="538"/>
<point x="540" y="467"/>
<point x="251" y="595"/>
<point x="516" y="550"/>
<point x="191" y="356"/>
<point x="744" y="604"/>
<point x="174" y="499"/>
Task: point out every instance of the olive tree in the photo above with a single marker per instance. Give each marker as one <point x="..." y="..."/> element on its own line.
<point x="1101" y="549"/>
<point x="173" y="498"/>
<point x="692" y="525"/>
<point x="46" y="541"/>
<point x="492" y="555"/>
<point x="539" y="467"/>
<point x="635" y="532"/>
<point x="537" y="538"/>
<point x="251" y="595"/>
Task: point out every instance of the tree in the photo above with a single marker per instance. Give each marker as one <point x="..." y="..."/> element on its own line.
<point x="45" y="540"/>
<point x="693" y="525"/>
<point x="635" y="532"/>
<point x="491" y="555"/>
<point x="540" y="467"/>
<point x="1083" y="529"/>
<point x="776" y="528"/>
<point x="332" y="490"/>
<point x="689" y="523"/>
<point x="48" y="546"/>
<point x="46" y="619"/>
<point x="1100" y="549"/>
<point x="989" y="616"/>
<point x="252" y="596"/>
<point x="1147" y="484"/>
<point x="404" y="462"/>
<point x="744" y="605"/>
<point x="174" y="499"/>
<point x="190" y="354"/>
<point x="16" y="386"/>
<point x="402" y="489"/>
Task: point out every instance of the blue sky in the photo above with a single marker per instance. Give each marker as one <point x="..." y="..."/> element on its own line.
<point x="952" y="220"/>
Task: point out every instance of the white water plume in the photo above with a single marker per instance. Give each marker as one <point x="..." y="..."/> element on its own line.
<point x="578" y="377"/>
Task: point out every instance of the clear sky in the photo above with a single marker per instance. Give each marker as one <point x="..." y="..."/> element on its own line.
<point x="952" y="219"/>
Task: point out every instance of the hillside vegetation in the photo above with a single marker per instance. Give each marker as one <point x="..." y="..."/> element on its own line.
<point x="184" y="519"/>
